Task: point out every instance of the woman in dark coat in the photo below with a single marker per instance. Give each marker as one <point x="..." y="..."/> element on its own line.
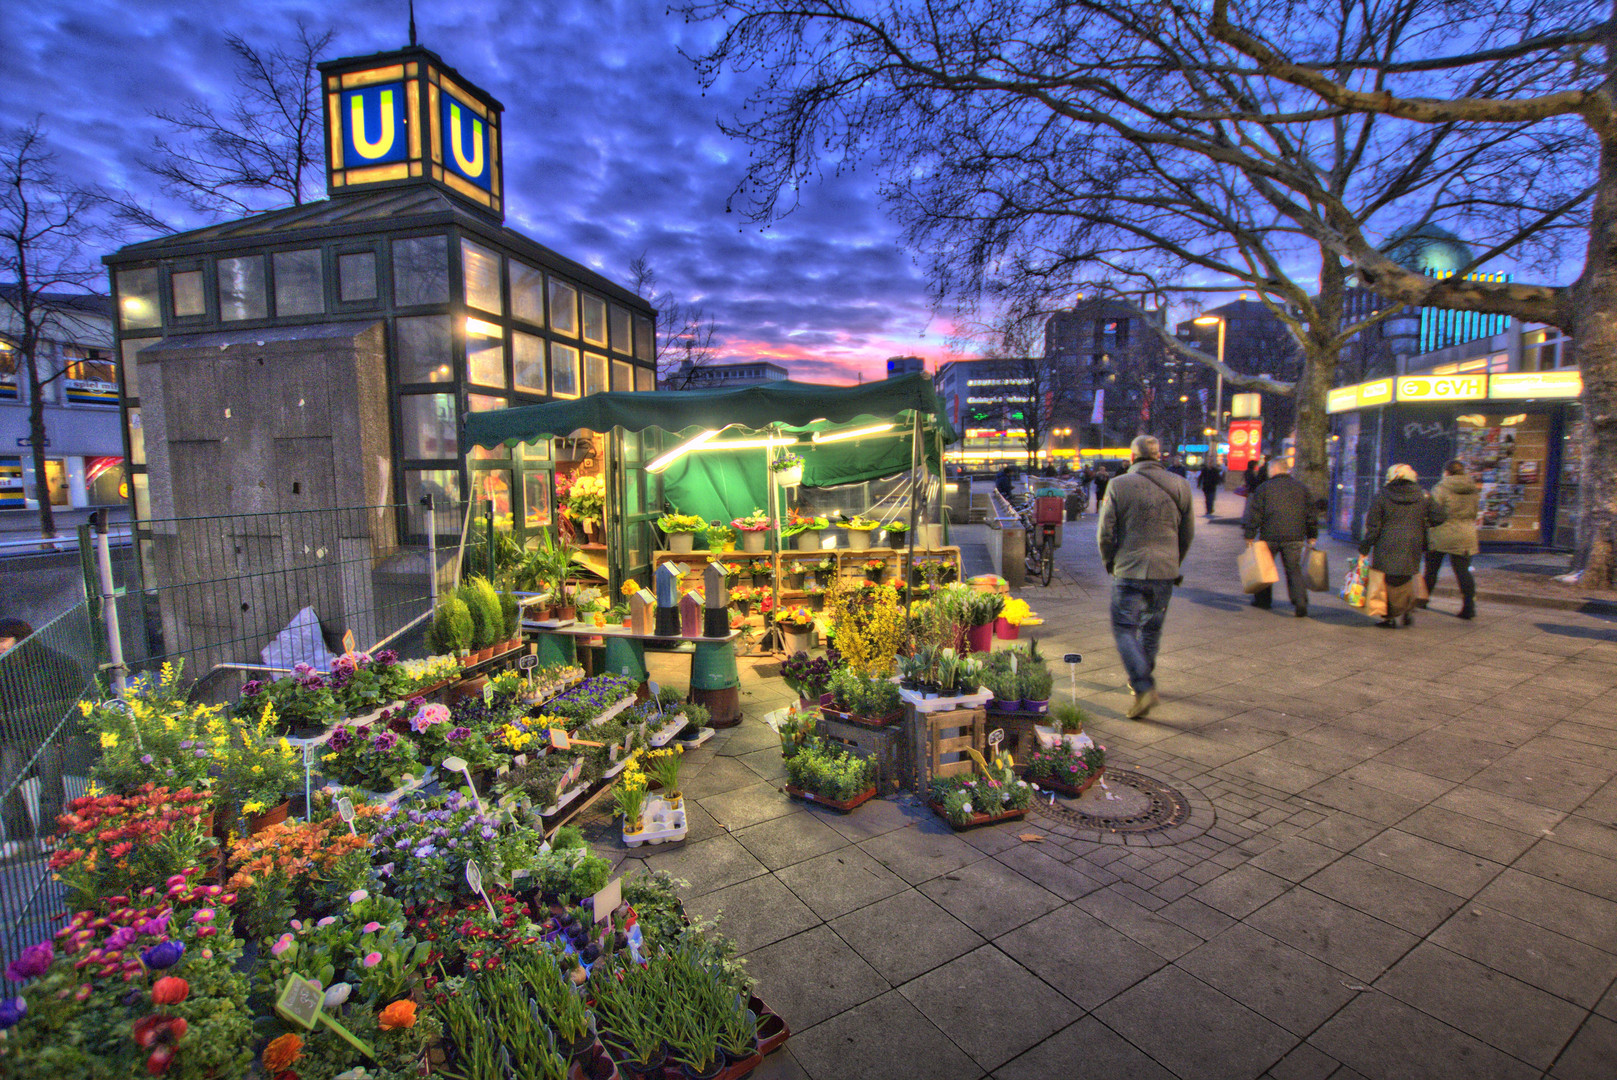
<point x="1395" y="538"/>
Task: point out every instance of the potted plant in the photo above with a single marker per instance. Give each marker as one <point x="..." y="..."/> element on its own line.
<point x="1033" y="682"/>
<point x="816" y="597"/>
<point x="860" y="698"/>
<point x="874" y="569"/>
<point x="488" y="620"/>
<point x="663" y="767"/>
<point x="832" y="777"/>
<point x="1067" y="767"/>
<point x="257" y="773"/>
<point x="797" y="625"/>
<point x="859" y="530"/>
<point x="807" y="676"/>
<point x="968" y="800"/>
<point x="787" y="470"/>
<point x="586" y="501"/>
<point x="754" y="529"/>
<point x="681" y="530"/>
<point x="618" y="615"/>
<point x="451" y="630"/>
<point x="1066" y="726"/>
<point x="898" y="533"/>
<point x="630" y="796"/>
<point x="795" y="729"/>
<point x="1001" y="682"/>
<point x="719" y="537"/>
<point x="981" y="610"/>
<point x="806" y="528"/>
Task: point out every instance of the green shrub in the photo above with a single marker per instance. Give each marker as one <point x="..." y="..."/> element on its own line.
<point x="833" y="774"/>
<point x="511" y="613"/>
<point x="451" y="629"/>
<point x="488" y="621"/>
<point x="1069" y="717"/>
<point x="1033" y="682"/>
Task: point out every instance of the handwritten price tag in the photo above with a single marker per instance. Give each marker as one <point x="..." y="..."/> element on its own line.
<point x="996" y="737"/>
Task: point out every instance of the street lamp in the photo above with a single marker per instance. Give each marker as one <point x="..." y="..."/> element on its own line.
<point x="1218" y="412"/>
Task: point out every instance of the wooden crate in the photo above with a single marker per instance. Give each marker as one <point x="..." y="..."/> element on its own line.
<point x="887" y="748"/>
<point x="944" y="735"/>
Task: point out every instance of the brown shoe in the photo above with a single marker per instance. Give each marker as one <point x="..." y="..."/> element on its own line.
<point x="1142" y="704"/>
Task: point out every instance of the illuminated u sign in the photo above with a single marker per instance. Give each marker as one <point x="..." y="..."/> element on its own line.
<point x="466" y="143"/>
<point x="373" y="125"/>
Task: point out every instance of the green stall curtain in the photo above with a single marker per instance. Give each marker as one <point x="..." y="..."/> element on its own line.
<point x="854" y="461"/>
<point x="719" y="486"/>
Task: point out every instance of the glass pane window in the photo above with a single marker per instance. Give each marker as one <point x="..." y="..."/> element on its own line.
<point x="131" y="371"/>
<point x="594" y="373"/>
<point x="300" y="287"/>
<point x="494" y="485"/>
<point x="137" y="298"/>
<point x="424" y="349"/>
<point x="622" y="375"/>
<point x="563" y="308"/>
<point x="528" y="362"/>
<point x="621" y="338"/>
<point x="485" y="353"/>
<point x="481" y="269"/>
<point x="594" y="320"/>
<point x="536" y="499"/>
<point x="241" y="289"/>
<point x="527" y="293"/>
<point x="444" y="487"/>
<point x="137" y="439"/>
<point x="427" y="426"/>
<point x="356" y="276"/>
<point x="645" y="344"/>
<point x="645" y="378"/>
<point x="187" y="289"/>
<point x="421" y="271"/>
<point x="484" y="403"/>
<point x="536" y="451"/>
<point x="563" y="370"/>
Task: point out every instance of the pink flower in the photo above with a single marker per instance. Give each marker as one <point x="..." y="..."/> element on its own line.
<point x="357" y="895"/>
<point x="327" y="921"/>
<point x="372" y="959"/>
<point x="205" y="915"/>
<point x="283" y="943"/>
<point x="297" y="924"/>
<point x="372" y="927"/>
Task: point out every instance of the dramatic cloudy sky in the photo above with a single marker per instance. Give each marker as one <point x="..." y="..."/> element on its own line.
<point x="612" y="150"/>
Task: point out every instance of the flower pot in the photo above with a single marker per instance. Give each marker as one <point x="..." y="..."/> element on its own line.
<point x="980" y="638"/>
<point x="858" y="540"/>
<point x="1035" y="706"/>
<point x="797" y="640"/>
<point x="713" y="1069"/>
<point x="567" y="613"/>
<point x="844" y="805"/>
<point x="681" y="542"/>
<point x="754" y="541"/>
<point x="274" y="816"/>
<point x="898" y="539"/>
<point x="790" y="477"/>
<point x="816" y="602"/>
<point x="1006" y="631"/>
<point x="808" y="540"/>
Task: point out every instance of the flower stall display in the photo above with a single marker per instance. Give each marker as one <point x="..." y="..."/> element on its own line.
<point x="372" y="757"/>
<point x="998" y="794"/>
<point x="586" y="501"/>
<point x="681" y="530"/>
<point x="719" y="537"/>
<point x="112" y="845"/>
<point x="590" y="700"/>
<point x="897" y="533"/>
<point x="1016" y="615"/>
<point x="754" y="529"/>
<point x="861" y="698"/>
<point x="809" y="676"/>
<point x="294" y="866"/>
<point x="819" y="772"/>
<point x="806" y="528"/>
<point x="859" y="530"/>
<point x="303" y="701"/>
<point x="1068" y="768"/>
<point x="797" y="624"/>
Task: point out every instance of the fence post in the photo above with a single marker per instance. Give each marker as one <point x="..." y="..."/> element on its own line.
<point x="109" y="603"/>
<point x="432" y="549"/>
<point x="92" y="590"/>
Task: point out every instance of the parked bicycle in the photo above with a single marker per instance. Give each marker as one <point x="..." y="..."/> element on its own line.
<point x="1041" y="518"/>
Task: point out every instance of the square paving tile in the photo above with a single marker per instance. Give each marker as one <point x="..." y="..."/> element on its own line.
<point x="1390" y="897"/>
<point x="1492" y="842"/>
<point x="1577" y="914"/>
<point x="1363" y="800"/>
<point x="1541" y="778"/>
<point x="1380" y="1036"/>
<point x="1549" y="961"/>
<point x="1535" y="817"/>
<point x="883" y="1037"/>
<point x="1079" y="955"/>
<point x="1163" y="936"/>
<point x="840" y="881"/>
<point x="1573" y="867"/>
<point x="1426" y="860"/>
<point x="793" y="838"/>
<point x="1241" y="891"/>
<point x="1519" y="1019"/>
<point x="990" y="1005"/>
<point x="876" y="817"/>
<point x="1342" y="937"/>
<point x="905" y="935"/>
<point x="1228" y="1039"/>
<point x="1591" y="1053"/>
<point x="716" y="777"/>
<point x="706" y="864"/>
<point x="1342" y="831"/>
<point x="1032" y="861"/>
<point x="1296" y="858"/>
<point x="767" y="763"/>
<point x="918" y="855"/>
<point x="1273" y="771"/>
<point x="1086" y="1048"/>
<point x="812" y="976"/>
<point x="990" y="898"/>
<point x="741" y="807"/>
<point x="1286" y="986"/>
<point x="1400" y="781"/>
<point x="754" y="913"/>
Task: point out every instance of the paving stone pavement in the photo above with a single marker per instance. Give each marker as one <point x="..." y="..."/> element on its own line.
<point x="1401" y="861"/>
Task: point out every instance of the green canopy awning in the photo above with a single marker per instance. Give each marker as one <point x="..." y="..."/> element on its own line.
<point x="792" y="404"/>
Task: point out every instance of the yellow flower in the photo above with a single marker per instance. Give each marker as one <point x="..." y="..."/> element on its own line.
<point x="109" y="739"/>
<point x="629" y="587"/>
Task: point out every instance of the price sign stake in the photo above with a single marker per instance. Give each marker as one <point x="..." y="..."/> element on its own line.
<point x="996" y="737"/>
<point x="302" y="1002"/>
<point x="488" y="693"/>
<point x="348" y="641"/>
<point x="345" y="810"/>
<point x="456" y="764"/>
<point x="474" y="878"/>
<point x="607" y="900"/>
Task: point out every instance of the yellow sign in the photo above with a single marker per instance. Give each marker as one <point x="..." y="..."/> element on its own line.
<point x="1342" y="399"/>
<point x="1536" y="384"/>
<point x="1361" y="396"/>
<point x="1442" y="387"/>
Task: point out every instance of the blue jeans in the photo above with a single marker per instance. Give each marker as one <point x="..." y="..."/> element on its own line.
<point x="1139" y="608"/>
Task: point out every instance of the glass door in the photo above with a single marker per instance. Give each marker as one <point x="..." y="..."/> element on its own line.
<point x="631" y="535"/>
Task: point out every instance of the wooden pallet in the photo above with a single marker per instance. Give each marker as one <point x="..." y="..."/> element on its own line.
<point x="941" y="740"/>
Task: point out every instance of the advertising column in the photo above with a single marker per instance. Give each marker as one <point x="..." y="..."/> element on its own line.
<point x="1245" y="438"/>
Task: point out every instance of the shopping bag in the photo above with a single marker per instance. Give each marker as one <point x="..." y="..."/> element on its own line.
<point x="1354" y="582"/>
<point x="1257" y="567"/>
<point x="1421" y="591"/>
<point x="1375" y="595"/>
<point x="1319" y="570"/>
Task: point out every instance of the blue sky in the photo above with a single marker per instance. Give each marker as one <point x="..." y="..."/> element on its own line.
<point x="612" y="150"/>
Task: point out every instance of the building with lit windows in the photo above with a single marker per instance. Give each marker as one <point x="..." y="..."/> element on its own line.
<point x="689" y="376"/>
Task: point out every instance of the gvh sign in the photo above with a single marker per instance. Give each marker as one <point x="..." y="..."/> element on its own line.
<point x="1442" y="387"/>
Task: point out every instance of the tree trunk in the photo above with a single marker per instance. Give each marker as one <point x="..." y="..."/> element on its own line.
<point x="36" y="434"/>
<point x="1594" y="343"/>
<point x="1320" y="358"/>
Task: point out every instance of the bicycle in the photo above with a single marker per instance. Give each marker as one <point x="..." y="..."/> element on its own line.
<point x="1040" y="518"/>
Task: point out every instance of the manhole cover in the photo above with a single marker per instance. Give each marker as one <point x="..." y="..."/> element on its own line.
<point x="1140" y="804"/>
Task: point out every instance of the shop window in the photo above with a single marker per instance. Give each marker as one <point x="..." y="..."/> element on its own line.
<point x="563" y="308"/>
<point x="494" y="485"/>
<point x="241" y="289"/>
<point x="527" y="293"/>
<point x="424" y="349"/>
<point x="536" y="451"/>
<point x="142" y="486"/>
<point x="480" y="268"/>
<point x="621" y="338"/>
<point x="485" y="353"/>
<point x="645" y="378"/>
<point x="528" y="362"/>
<point x="427" y="426"/>
<point x="563" y="370"/>
<point x="484" y="403"/>
<point x="536" y="499"/>
<point x="104" y="481"/>
<point x="186" y="286"/>
<point x="622" y="375"/>
<point x="91" y="377"/>
<point x="137" y="439"/>
<point x="645" y="341"/>
<point x="356" y="277"/>
<point x="137" y="298"/>
<point x="421" y="271"/>
<point x="10" y="374"/>
<point x="444" y="487"/>
<point x="594" y="320"/>
<point x="300" y="287"/>
<point x="594" y="374"/>
<point x="12" y="494"/>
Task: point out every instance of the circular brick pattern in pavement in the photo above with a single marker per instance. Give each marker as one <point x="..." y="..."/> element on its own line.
<point x="1143" y="804"/>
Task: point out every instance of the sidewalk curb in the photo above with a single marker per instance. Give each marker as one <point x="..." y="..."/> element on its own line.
<point x="1584" y="606"/>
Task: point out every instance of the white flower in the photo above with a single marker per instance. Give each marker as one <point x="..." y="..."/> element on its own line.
<point x="965" y="808"/>
<point x="337" y="994"/>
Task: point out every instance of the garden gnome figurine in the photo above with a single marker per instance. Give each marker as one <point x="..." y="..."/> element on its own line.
<point x="716" y="617"/>
<point x="669" y="576"/>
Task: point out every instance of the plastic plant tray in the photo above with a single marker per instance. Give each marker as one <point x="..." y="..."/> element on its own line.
<point x="701" y="737"/>
<point x="663" y="823"/>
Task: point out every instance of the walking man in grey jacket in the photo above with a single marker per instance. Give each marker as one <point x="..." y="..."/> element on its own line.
<point x="1147" y="522"/>
<point x="1281" y="514"/>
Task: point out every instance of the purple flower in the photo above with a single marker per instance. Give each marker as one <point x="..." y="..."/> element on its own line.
<point x="384" y="742"/>
<point x="252" y="688"/>
<point x="155" y="927"/>
<point x="340" y="739"/>
<point x="12" y="1010"/>
<point x="163" y="956"/>
<point x="387" y="658"/>
<point x="458" y="734"/>
<point x="301" y="669"/>
<point x="34" y="962"/>
<point x="145" y="759"/>
<point x="121" y="938"/>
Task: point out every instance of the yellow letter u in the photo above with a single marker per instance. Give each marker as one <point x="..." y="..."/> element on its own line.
<point x="368" y="148"/>
<point x="474" y="167"/>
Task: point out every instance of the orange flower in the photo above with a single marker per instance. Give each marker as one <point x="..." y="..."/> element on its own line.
<point x="282" y="1052"/>
<point x="400" y="1014"/>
